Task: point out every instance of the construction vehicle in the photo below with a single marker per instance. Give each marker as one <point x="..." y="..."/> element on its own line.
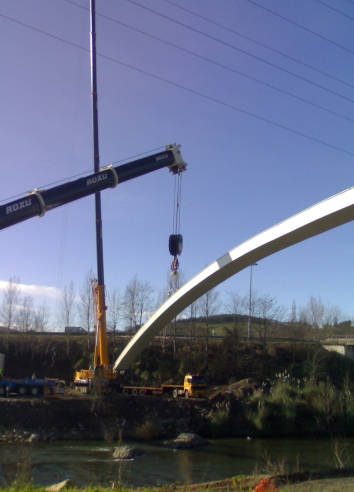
<point x="38" y="202"/>
<point x="32" y="386"/>
<point x="193" y="386"/>
<point x="29" y="386"/>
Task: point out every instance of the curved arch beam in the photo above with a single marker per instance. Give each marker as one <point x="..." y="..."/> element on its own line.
<point x="328" y="214"/>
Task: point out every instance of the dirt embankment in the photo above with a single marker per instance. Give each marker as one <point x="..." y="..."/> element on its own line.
<point x="85" y="417"/>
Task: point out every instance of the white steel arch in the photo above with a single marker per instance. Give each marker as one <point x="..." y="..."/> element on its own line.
<point x="328" y="214"/>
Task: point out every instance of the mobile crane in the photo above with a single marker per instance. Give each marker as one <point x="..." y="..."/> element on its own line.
<point x="38" y="202"/>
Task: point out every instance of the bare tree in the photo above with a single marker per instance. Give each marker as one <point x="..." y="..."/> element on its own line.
<point x="191" y="312"/>
<point x="10" y="300"/>
<point x="315" y="312"/>
<point x="269" y="314"/>
<point x="114" y="311"/>
<point x="162" y="296"/>
<point x="67" y="310"/>
<point x="137" y="302"/>
<point x="234" y="305"/>
<point x="208" y="305"/>
<point x="175" y="280"/>
<point x="332" y="315"/>
<point x="130" y="301"/>
<point x="144" y="301"/>
<point x="41" y="317"/>
<point x="86" y="307"/>
<point x="25" y="314"/>
<point x="67" y="305"/>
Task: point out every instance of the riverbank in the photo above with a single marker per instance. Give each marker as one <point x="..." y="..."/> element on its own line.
<point x="109" y="418"/>
<point x="286" y="407"/>
<point x="331" y="481"/>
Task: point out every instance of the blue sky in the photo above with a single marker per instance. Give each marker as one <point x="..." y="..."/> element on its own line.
<point x="244" y="174"/>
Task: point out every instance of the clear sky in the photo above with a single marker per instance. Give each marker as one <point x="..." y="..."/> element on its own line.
<point x="232" y="90"/>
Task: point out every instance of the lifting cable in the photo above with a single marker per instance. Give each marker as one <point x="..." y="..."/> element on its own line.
<point x="176" y="240"/>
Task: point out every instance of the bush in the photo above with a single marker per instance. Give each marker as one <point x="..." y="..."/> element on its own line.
<point x="146" y="431"/>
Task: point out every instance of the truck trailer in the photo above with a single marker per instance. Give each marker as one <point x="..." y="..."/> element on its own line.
<point x="32" y="386"/>
<point x="193" y="386"/>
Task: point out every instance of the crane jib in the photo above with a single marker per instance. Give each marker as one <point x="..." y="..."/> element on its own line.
<point x="37" y="202"/>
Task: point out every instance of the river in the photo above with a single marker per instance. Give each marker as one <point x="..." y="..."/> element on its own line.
<point x="90" y="462"/>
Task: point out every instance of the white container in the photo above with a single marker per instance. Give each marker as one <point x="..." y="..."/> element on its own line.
<point x="2" y="361"/>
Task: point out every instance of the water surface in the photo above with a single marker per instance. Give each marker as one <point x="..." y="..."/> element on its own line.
<point x="87" y="462"/>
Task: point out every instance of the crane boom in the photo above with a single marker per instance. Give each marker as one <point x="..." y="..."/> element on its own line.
<point x="38" y="202"/>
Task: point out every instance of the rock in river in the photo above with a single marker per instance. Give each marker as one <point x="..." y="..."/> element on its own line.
<point x="187" y="440"/>
<point x="127" y="452"/>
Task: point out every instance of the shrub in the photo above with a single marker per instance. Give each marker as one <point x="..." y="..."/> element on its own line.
<point x="146" y="431"/>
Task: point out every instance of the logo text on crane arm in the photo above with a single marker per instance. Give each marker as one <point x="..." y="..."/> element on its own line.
<point x="17" y="206"/>
<point x="96" y="179"/>
<point x="160" y="157"/>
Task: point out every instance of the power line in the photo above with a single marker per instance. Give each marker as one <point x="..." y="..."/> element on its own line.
<point x="228" y="105"/>
<point x="299" y="25"/>
<point x="240" y="50"/>
<point x="336" y="10"/>
<point x="256" y="42"/>
<point x="222" y="66"/>
<point x="116" y="61"/>
<point x="174" y="84"/>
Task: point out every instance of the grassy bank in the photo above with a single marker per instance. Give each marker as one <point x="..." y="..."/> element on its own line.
<point x="330" y="482"/>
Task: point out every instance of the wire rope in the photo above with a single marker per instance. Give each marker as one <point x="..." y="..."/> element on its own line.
<point x="174" y="205"/>
<point x="179" y="202"/>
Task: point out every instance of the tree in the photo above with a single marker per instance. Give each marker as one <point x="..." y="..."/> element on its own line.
<point x="234" y="305"/>
<point x="137" y="302"/>
<point x="86" y="307"/>
<point x="41" y="317"/>
<point x="269" y="315"/>
<point x="315" y="312"/>
<point x="25" y="314"/>
<point x="67" y="305"/>
<point x="191" y="312"/>
<point x="130" y="303"/>
<point x="144" y="301"/>
<point x="208" y="305"/>
<point x="175" y="279"/>
<point x="9" y="305"/>
<point x="332" y="315"/>
<point x="114" y="310"/>
<point x="67" y="310"/>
